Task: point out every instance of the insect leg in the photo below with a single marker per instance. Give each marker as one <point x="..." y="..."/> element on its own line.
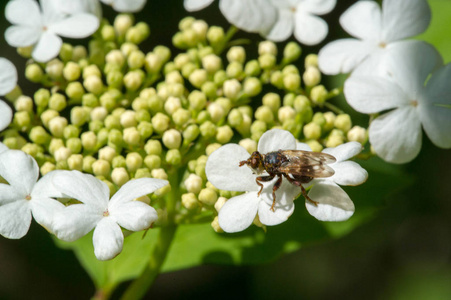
<point x="299" y="184"/>
<point x="264" y="179"/>
<point x="274" y="189"/>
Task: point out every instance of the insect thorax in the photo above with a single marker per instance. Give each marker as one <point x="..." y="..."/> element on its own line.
<point x="273" y="160"/>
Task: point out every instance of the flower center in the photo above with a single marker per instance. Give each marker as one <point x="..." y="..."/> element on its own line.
<point x="28" y="197"/>
<point x="106" y="213"/>
<point x="293" y="9"/>
<point x="44" y="28"/>
<point x="414" y="103"/>
<point x="382" y="44"/>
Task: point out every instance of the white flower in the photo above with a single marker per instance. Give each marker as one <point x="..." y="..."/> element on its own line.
<point x="256" y="16"/>
<point x="126" y="5"/>
<point x="23" y="196"/>
<point x="224" y="173"/>
<point x="333" y="202"/>
<point x="97" y="211"/>
<point x="71" y="7"/>
<point x="300" y="17"/>
<point x="6" y="115"/>
<point x="375" y="32"/>
<point x="8" y="76"/>
<point x="3" y="148"/>
<point x="418" y="95"/>
<point x="31" y="26"/>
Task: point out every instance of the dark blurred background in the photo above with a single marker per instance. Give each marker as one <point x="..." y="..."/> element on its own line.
<point x="402" y="253"/>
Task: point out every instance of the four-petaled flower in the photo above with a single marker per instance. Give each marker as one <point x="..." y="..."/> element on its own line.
<point x="99" y="212"/>
<point x="375" y="32"/>
<point x="24" y="196"/>
<point x="31" y="26"/>
<point x="8" y="80"/>
<point x="414" y="85"/>
<point x="126" y="5"/>
<point x="300" y="17"/>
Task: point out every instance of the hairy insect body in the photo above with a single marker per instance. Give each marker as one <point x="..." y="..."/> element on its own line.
<point x="297" y="166"/>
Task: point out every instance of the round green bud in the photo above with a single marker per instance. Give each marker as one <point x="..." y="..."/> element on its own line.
<point x="249" y="145"/>
<point x="34" y="73"/>
<point x="216" y="111"/>
<point x="93" y="84"/>
<point x="112" y="122"/>
<point x="47" y="167"/>
<point x="155" y="104"/>
<point x="286" y="113"/>
<point x="172" y="104"/>
<point x="145" y="130"/>
<point x="172" y="139"/>
<point x="56" y="126"/>
<point x="314" y="145"/>
<point x="197" y="100"/>
<point x="153" y="63"/>
<point x="138" y="33"/>
<point x="232" y="89"/>
<point x="57" y="102"/>
<point x="234" y="70"/>
<point x="71" y="71"/>
<point x="236" y="54"/>
<point x="292" y="81"/>
<point x="257" y="129"/>
<point x="193" y="183"/>
<point x="88" y="140"/>
<point x="264" y="114"/>
<point x="115" y="79"/>
<point x="357" y="134"/>
<point x="24" y="103"/>
<point x="54" y="69"/>
<point x="276" y="79"/>
<point x="208" y="196"/>
<point x="235" y="118"/>
<point x="88" y="161"/>
<point x="210" y="89"/>
<point x="272" y="100"/>
<point x="267" y="47"/>
<point x="116" y="138"/>
<point x="211" y="63"/>
<point x="215" y="225"/>
<point x="330" y="120"/>
<point x="79" y="116"/>
<point x="173" y="77"/>
<point x="107" y="153"/>
<point x="311" y="76"/>
<point x="163" y="52"/>
<point x="311" y="60"/>
<point x="122" y="23"/>
<point x="160" y="122"/>
<point x="201" y="28"/>
<point x="128" y="48"/>
<point x="220" y="77"/>
<point x="207" y="129"/>
<point x="133" y="161"/>
<point x="215" y="35"/>
<point x="55" y="144"/>
<point x="62" y="154"/>
<point x="133" y="80"/>
<point x="252" y="86"/>
<point x="75" y="90"/>
<point x="96" y="125"/>
<point x="191" y="133"/>
<point x="153" y="147"/>
<point x="334" y="141"/>
<point x="101" y="168"/>
<point x="74" y="145"/>
<point x="290" y="69"/>
<point x="25" y="52"/>
<point x="319" y="119"/>
<point x="128" y="119"/>
<point x="312" y="131"/>
<point x="318" y="94"/>
<point x="181" y="116"/>
<point x="245" y="127"/>
<point x="343" y="122"/>
<point x="120" y="176"/>
<point x="41" y="98"/>
<point x="48" y="115"/>
<point x="79" y="52"/>
<point x="66" y="52"/>
<point x="159" y="174"/>
<point x="89" y="100"/>
<point x="198" y="77"/>
<point x="118" y="162"/>
<point x="71" y="131"/>
<point x="132" y="136"/>
<point x="292" y="51"/>
<point x="136" y="60"/>
<point x="173" y="157"/>
<point x="203" y="116"/>
<point x="301" y="103"/>
<point x="212" y="148"/>
<point x="252" y="68"/>
<point x="189" y="201"/>
<point x="152" y="161"/>
<point x="102" y="136"/>
<point x="115" y="57"/>
<point x="224" y="134"/>
<point x="39" y="135"/>
<point x="108" y="33"/>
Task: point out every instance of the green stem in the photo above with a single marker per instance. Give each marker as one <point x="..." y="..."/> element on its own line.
<point x="230" y="33"/>
<point x="333" y="108"/>
<point x="140" y="285"/>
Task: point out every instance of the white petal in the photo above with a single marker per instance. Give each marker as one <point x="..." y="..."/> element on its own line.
<point x="396" y="136"/>
<point x="19" y="169"/>
<point x="48" y="47"/>
<point x="10" y="194"/>
<point x="309" y="29"/>
<point x="238" y="212"/>
<point x="107" y="239"/>
<point x="271" y="218"/>
<point x="134" y="216"/>
<point x="303" y="147"/>
<point x="8" y="77"/>
<point x="15" y="219"/>
<point x="317" y="7"/>
<point x="344" y="151"/>
<point x="342" y="56"/>
<point x="22" y="36"/>
<point x="136" y="188"/>
<point x="23" y="12"/>
<point x="404" y="18"/>
<point x="3" y="148"/>
<point x="334" y="204"/>
<point x="363" y="20"/>
<point x="348" y="173"/>
<point x="75" y="221"/>
<point x="249" y="15"/>
<point x="44" y="211"/>
<point x="276" y="139"/>
<point x="283" y="28"/>
<point x="194" y="5"/>
<point x="77" y="26"/>
<point x="372" y="94"/>
<point x="45" y="187"/>
<point x="223" y="169"/>
<point x="435" y="108"/>
<point x="284" y="206"/>
<point x="128" y="5"/>
<point x="83" y="187"/>
<point x="6" y="115"/>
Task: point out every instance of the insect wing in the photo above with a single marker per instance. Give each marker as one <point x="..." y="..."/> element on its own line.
<point x="305" y="163"/>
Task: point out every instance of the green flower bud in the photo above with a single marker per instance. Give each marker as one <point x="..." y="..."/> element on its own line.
<point x="216" y="112"/>
<point x="272" y="100"/>
<point x="234" y="70"/>
<point x="319" y="119"/>
<point x="133" y="161"/>
<point x="159" y="174"/>
<point x="257" y="129"/>
<point x="79" y="53"/>
<point x="101" y="168"/>
<point x="207" y="129"/>
<point x="169" y="67"/>
<point x="173" y="77"/>
<point x="138" y="33"/>
<point x="198" y="77"/>
<point x="357" y="134"/>
<point x="122" y="23"/>
<point x="41" y="98"/>
<point x="120" y="176"/>
<point x="220" y="203"/>
<point x="142" y="115"/>
<point x="267" y="47"/>
<point x="88" y="161"/>
<point x="48" y="115"/>
<point x="57" y="102"/>
<point x="208" y="196"/>
<point x="75" y="90"/>
<point x="152" y="161"/>
<point x="74" y="145"/>
<point x="24" y="103"/>
<point x="330" y="120"/>
<point x="155" y="104"/>
<point x="88" y="140"/>
<point x="32" y="149"/>
<point x="311" y="76"/>
<point x="189" y="38"/>
<point x="252" y="68"/>
<point x="193" y="183"/>
<point x="173" y="157"/>
<point x="186" y="23"/>
<point x="116" y="138"/>
<point x="163" y="52"/>
<point x="267" y="61"/>
<point x="102" y="136"/>
<point x="318" y="94"/>
<point x="153" y="147"/>
<point x="211" y="63"/>
<point x="66" y="52"/>
<point x="93" y="84"/>
<point x="343" y="122"/>
<point x="252" y="86"/>
<point x="236" y="54"/>
<point x="89" y="100"/>
<point x="249" y="145"/>
<point x="47" y="167"/>
<point x="189" y="201"/>
<point x="160" y="122"/>
<point x="232" y="89"/>
<point x="107" y="153"/>
<point x="197" y="100"/>
<point x="153" y="63"/>
<point x="118" y="162"/>
<point x="292" y="81"/>
<point x="71" y="71"/>
<point x="334" y="141"/>
<point x="91" y="70"/>
<point x="315" y="145"/>
<point x="286" y="113"/>
<point x="276" y="79"/>
<point x="264" y="114"/>
<point x="210" y="89"/>
<point x="54" y="69"/>
<point x="301" y="103"/>
<point x="79" y="116"/>
<point x="235" y="118"/>
<point x="25" y="52"/>
<point x="115" y="57"/>
<point x="212" y="148"/>
<point x="172" y="104"/>
<point x="220" y="77"/>
<point x="245" y="127"/>
<point x="115" y="79"/>
<point x="34" y="73"/>
<point x="133" y="80"/>
<point x="55" y="144"/>
<point x="201" y="28"/>
<point x="191" y="133"/>
<point x="172" y="139"/>
<point x="181" y="116"/>
<point x="136" y="60"/>
<point x="145" y="130"/>
<point x="132" y="136"/>
<point x="39" y="135"/>
<point x="203" y="116"/>
<point x="312" y="131"/>
<point x="224" y="134"/>
<point x="311" y="60"/>
<point x="292" y="51"/>
<point x="127" y="119"/>
<point x="108" y="33"/>
<point x="56" y="126"/>
<point x="112" y="122"/>
<point x="215" y="35"/>
<point x="215" y="225"/>
<point x="62" y="154"/>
